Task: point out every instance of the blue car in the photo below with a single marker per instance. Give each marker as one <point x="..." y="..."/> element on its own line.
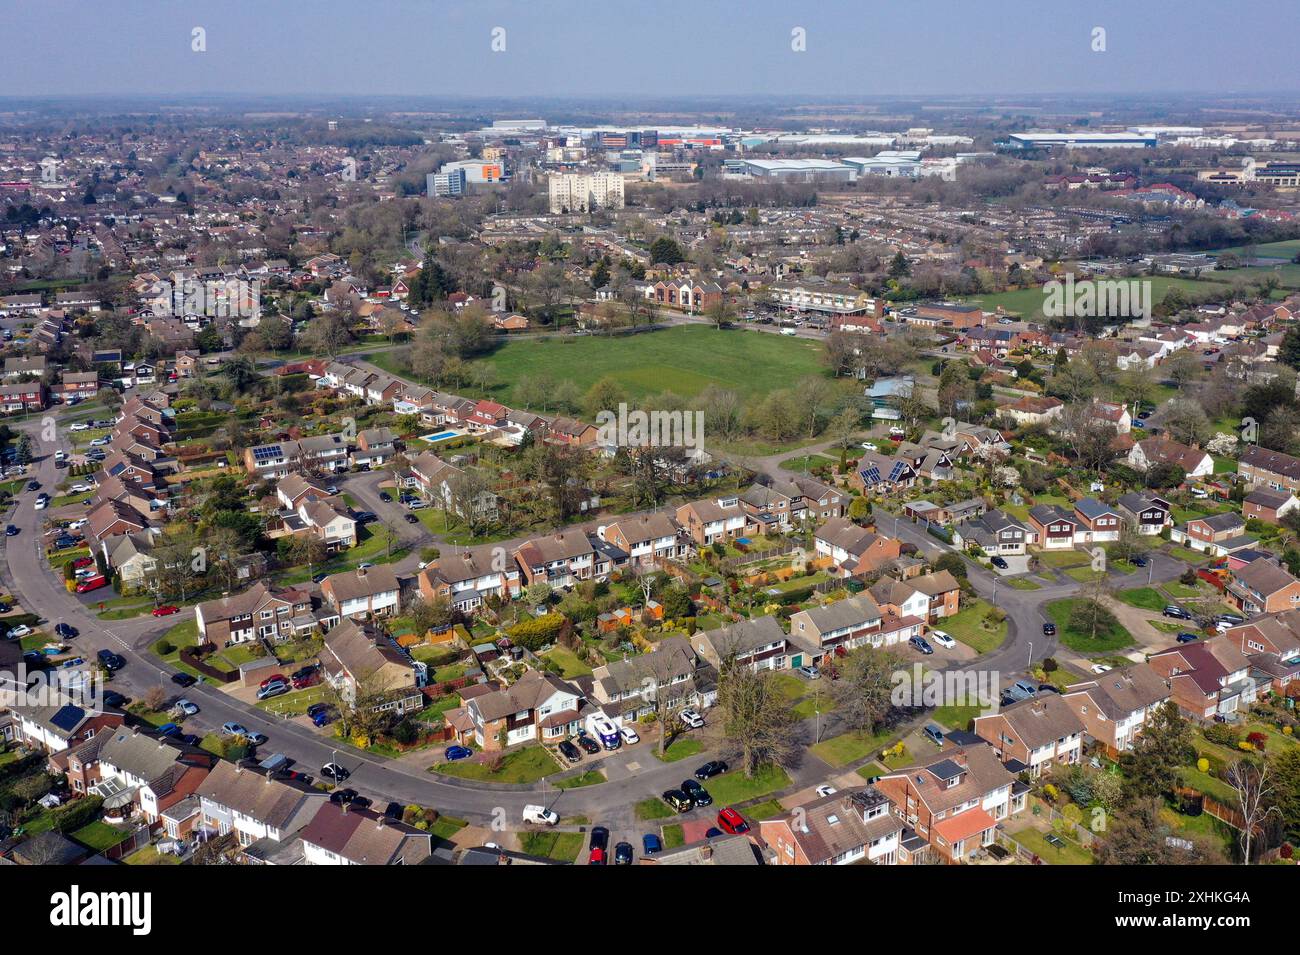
<point x="453" y="753"/>
<point x="1139" y="561"/>
<point x="921" y="644"/>
<point x="1188" y="637"/>
<point x="650" y="844"/>
<point x="169" y="729"/>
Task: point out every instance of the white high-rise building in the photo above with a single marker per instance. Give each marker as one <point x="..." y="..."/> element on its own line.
<point x="582" y="192"/>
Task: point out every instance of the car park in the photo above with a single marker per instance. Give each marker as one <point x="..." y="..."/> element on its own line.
<point x="943" y="639"/>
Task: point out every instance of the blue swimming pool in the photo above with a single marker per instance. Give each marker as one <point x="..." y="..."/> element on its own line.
<point x="743" y="540"/>
<point x="440" y="436"/>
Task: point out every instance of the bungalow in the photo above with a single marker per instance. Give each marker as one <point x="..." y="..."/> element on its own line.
<point x="955" y="799"/>
<point x="1040" y="733"/>
<point x="1207" y="678"/>
<point x="944" y="514"/>
<point x="364" y="592"/>
<point x="843" y="828"/>
<point x="1194" y="462"/>
<point x="1116" y="705"/>
<point x="1032" y="409"/>
<point x="1263" y="586"/>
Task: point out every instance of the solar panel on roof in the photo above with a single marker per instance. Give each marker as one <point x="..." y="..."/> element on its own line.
<point x="68" y="718"/>
<point x="871" y="475"/>
<point x="897" y="471"/>
<point x="266" y="453"/>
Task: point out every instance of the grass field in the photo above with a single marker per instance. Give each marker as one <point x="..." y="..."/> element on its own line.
<point x="683" y="360"/>
<point x="1083" y="642"/>
<point x="520" y="767"/>
<point x="1028" y="303"/>
<point x="1144" y="598"/>
<point x="968" y="626"/>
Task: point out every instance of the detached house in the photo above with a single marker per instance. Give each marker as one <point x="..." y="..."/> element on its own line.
<point x="1265" y="504"/>
<point x="539" y="707"/>
<point x="1148" y="513"/>
<point x="1217" y="534"/>
<point x="1263" y="586"/>
<point x="721" y="519"/>
<point x="1039" y="733"/>
<point x="994" y="532"/>
<point x="1195" y="463"/>
<point x="930" y="597"/>
<point x="1116" y="705"/>
<point x="1054" y="527"/>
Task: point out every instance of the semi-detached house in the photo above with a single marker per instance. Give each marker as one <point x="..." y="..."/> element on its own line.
<point x="467" y="579"/>
<point x="257" y="613"/>
<point x="1039" y="734"/>
<point x="1116" y="705"/>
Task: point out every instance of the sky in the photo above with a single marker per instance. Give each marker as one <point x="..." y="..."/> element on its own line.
<point x="590" y="48"/>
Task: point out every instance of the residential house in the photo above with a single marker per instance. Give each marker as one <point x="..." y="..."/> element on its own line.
<point x="255" y="614"/>
<point x="468" y="578"/>
<point x="1032" y="409"/>
<point x="374" y="448"/>
<point x="1054" y="527"/>
<point x="561" y="559"/>
<point x="1194" y="462"/>
<point x="364" y="592"/>
<point x="366" y="667"/>
<point x="955" y="799"/>
<point x="930" y="597"/>
<point x="1116" y="705"/>
<point x="343" y="835"/>
<point x="329" y="520"/>
<point x="293" y="489"/>
<point x="648" y="539"/>
<point x="1207" y="678"/>
<point x="671" y="675"/>
<point x="22" y="396"/>
<point x="853" y="549"/>
<point x="855" y="825"/>
<point x="1040" y="734"/>
<point x="720" y="519"/>
<point x="1272" y="645"/>
<point x="1273" y="469"/>
<point x="1262" y="586"/>
<point x="1217" y="534"/>
<point x="441" y="483"/>
<point x="995" y="532"/>
<point x="538" y="707"/>
<point x="59" y="726"/>
<point x="1097" y="522"/>
<point x="153" y="773"/>
<point x="253" y="806"/>
<point x="844" y="625"/>
<point x="1147" y="512"/>
<point x="758" y="643"/>
<point x="1266" y="504"/>
<point x="784" y="503"/>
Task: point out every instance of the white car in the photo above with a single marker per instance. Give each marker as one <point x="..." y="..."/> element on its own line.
<point x="98" y="442"/>
<point x="629" y="735"/>
<point x="540" y="815"/>
<point x="692" y="719"/>
<point x="42" y="503"/>
<point x="21" y="630"/>
<point x="80" y="488"/>
<point x="1100" y="668"/>
<point x="826" y="790"/>
<point x="79" y="426"/>
<point x="941" y="638"/>
<point x="332" y="489"/>
<point x="186" y="707"/>
<point x="870" y="446"/>
<point x="78" y="523"/>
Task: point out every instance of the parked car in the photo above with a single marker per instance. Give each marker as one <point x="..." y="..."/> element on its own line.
<point x="11" y="531"/>
<point x="825" y="789"/>
<point x="22" y="630"/>
<point x="1049" y="629"/>
<point x="343" y="797"/>
<point x="307" y="676"/>
<point x="1101" y="668"/>
<point x="186" y="707"/>
<point x="169" y="729"/>
<point x="232" y="728"/>
<point x="1186" y="637"/>
<point x="934" y="735"/>
<point x="920" y="644"/>
<point x="83" y="562"/>
<point x="623" y="853"/>
<point x="272" y="690"/>
<point x="650" y="844"/>
<point x="733" y="822"/>
<point x="111" y="660"/>
<point x="870" y="446"/>
<point x="166" y="610"/>
<point x="999" y="562"/>
<point x="714" y="767"/>
<point x="598" y="843"/>
<point x="678" y="800"/>
<point x="410" y="518"/>
<point x="1020" y="690"/>
<point x="698" y="795"/>
<point x="692" y="719"/>
<point x="569" y="751"/>
<point x="183" y="679"/>
<point x="92" y="583"/>
<point x="335" y="772"/>
<point x="386" y="497"/>
<point x="33" y="485"/>
<point x="114" y="699"/>
<point x="629" y="735"/>
<point x="273" y="678"/>
<point x="811" y="672"/>
<point x="1139" y="561"/>
<point x="943" y="639"/>
<point x="541" y="816"/>
<point x="589" y="745"/>
<point x="453" y="753"/>
<point x="1173" y="610"/>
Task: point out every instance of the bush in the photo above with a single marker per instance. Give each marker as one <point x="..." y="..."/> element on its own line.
<point x="164" y="647"/>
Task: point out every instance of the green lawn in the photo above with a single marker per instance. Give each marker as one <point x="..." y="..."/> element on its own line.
<point x="673" y="836"/>
<point x="98" y="836"/>
<point x="968" y="626"/>
<point x="871" y="771"/>
<point x="653" y="808"/>
<point x="1071" y="853"/>
<point x="521" y="767"/>
<point x="1022" y="583"/>
<point x="590" y="778"/>
<point x="684" y="360"/>
<point x="956" y="717"/>
<point x="570" y="666"/>
<point x="734" y="787"/>
<point x="684" y="747"/>
<point x="1106" y="640"/>
<point x="563" y="846"/>
<point x="1064" y="558"/>
<point x="1144" y="598"/>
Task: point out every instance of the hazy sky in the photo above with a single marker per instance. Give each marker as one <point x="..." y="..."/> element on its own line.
<point x="657" y="47"/>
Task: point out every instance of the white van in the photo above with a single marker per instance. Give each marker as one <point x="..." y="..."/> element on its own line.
<point x="540" y="816"/>
<point x="789" y="331"/>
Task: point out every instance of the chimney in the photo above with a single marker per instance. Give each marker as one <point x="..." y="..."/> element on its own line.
<point x="959" y="757"/>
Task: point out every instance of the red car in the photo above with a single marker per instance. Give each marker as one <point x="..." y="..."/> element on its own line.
<point x="92" y="583"/>
<point x="166" y="611"/>
<point x="308" y="676"/>
<point x="597" y="856"/>
<point x="83" y="562"/>
<point x="273" y="678"/>
<point x="732" y="822"/>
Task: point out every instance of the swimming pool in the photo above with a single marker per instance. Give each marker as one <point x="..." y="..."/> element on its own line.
<point x="440" y="436"/>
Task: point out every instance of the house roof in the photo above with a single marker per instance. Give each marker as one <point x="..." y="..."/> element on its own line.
<point x="744" y="636"/>
<point x="1041" y="720"/>
<point x="1121" y="692"/>
<point x="1264" y="576"/>
<point x="361" y="583"/>
<point x="834" y="825"/>
<point x="364" y="837"/>
<point x="527" y="693"/>
<point x="263" y="798"/>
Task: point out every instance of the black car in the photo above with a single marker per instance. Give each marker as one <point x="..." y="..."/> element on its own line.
<point x="111" y="660"/>
<point x="65" y="630"/>
<point x="183" y="679"/>
<point x="343" y="797"/>
<point x="599" y="838"/>
<point x="1173" y="610"/>
<point x="335" y="772"/>
<point x="386" y="497"/>
<point x="410" y="518"/>
<point x="623" y="853"/>
<point x="33" y="485"/>
<point x="714" y="767"/>
<point x="394" y="811"/>
<point x="364" y="517"/>
<point x="589" y="745"/>
<point x="1139" y="561"/>
<point x="115" y="700"/>
<point x="190" y="739"/>
<point x="318" y="578"/>
<point x="569" y="751"/>
<point x="999" y="562"/>
<point x="1048" y="688"/>
<point x="1049" y="629"/>
<point x="11" y="531"/>
<point x="679" y="801"/>
<point x="697" y="793"/>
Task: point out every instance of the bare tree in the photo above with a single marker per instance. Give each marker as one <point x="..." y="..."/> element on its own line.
<point x="1254" y="789"/>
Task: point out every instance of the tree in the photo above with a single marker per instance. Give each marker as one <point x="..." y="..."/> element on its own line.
<point x="1138" y="836"/>
<point x="666" y="250"/>
<point x="109" y="398"/>
<point x="1253" y="786"/>
<point x="1186" y="421"/>
<point x="1288" y="351"/>
<point x="1151" y="768"/>
<point x="756" y="716"/>
<point x="241" y="373"/>
<point x="899" y="266"/>
<point x="436" y="614"/>
<point x="864" y="691"/>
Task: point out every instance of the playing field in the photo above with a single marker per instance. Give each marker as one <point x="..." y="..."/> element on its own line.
<point x="684" y="360"/>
